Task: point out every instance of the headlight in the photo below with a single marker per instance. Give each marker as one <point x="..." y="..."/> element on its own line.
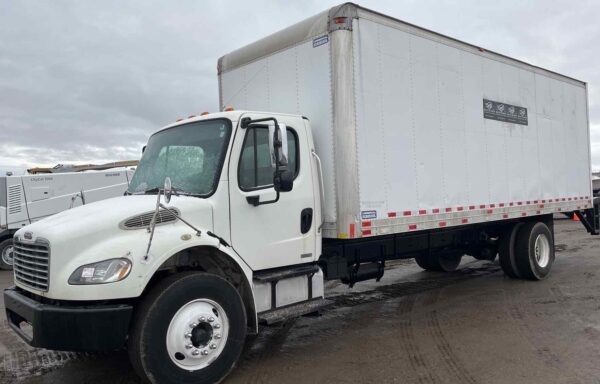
<point x="107" y="271"/>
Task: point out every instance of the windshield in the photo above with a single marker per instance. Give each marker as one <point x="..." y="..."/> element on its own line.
<point x="191" y="155"/>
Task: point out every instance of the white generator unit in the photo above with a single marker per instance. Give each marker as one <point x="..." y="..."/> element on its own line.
<point x="29" y="198"/>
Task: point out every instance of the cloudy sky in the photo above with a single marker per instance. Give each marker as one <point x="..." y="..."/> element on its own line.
<point x="84" y="81"/>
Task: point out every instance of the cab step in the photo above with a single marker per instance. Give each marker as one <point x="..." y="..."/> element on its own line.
<point x="287" y="312"/>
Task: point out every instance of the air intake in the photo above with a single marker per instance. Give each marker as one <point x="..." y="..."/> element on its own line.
<point x="15" y="198"/>
<point x="143" y="220"/>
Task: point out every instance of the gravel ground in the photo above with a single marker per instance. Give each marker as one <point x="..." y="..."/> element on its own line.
<point x="471" y="326"/>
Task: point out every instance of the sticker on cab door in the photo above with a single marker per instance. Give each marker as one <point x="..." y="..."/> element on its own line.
<point x="320" y="41"/>
<point x="368" y="215"/>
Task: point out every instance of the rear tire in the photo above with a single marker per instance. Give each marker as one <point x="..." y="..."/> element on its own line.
<point x="6" y="255"/>
<point x="190" y="328"/>
<point x="506" y="251"/>
<point x="438" y="262"/>
<point x="534" y="251"/>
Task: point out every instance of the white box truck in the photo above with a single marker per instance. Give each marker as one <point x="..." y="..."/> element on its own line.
<point x="376" y="140"/>
<point x="25" y="199"/>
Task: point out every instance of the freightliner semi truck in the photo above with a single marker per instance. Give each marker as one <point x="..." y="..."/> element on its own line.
<point x="356" y="139"/>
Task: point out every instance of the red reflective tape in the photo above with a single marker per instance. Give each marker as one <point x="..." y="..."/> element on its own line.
<point x="464" y="221"/>
<point x="442" y="223"/>
<point x="406" y="213"/>
<point x="563" y="199"/>
<point x="391" y="214"/>
<point x="366" y="232"/>
<point x="579" y="207"/>
<point x="543" y="201"/>
<point x="366" y="223"/>
<point x="482" y="206"/>
<point x="471" y="207"/>
<point x="575" y="198"/>
<point x="352" y="231"/>
<point x="550" y="200"/>
<point x="489" y="211"/>
<point x="412" y="227"/>
<point x="538" y="212"/>
<point x="511" y="204"/>
<point x="448" y="209"/>
<point x="523" y="213"/>
<point x="459" y="208"/>
<point x="535" y="201"/>
<point x="501" y="205"/>
<point x="435" y="210"/>
<point x="492" y="205"/>
<point x="529" y="202"/>
<point x="505" y="216"/>
<point x="422" y="212"/>
<point x="519" y="203"/>
<point x="569" y="199"/>
<point x="542" y="205"/>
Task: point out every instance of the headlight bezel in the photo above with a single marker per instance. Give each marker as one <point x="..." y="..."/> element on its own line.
<point x="76" y="278"/>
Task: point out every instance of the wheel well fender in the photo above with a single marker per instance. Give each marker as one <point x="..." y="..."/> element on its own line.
<point x="216" y="261"/>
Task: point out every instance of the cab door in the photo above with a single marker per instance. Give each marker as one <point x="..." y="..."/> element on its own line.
<point x="274" y="233"/>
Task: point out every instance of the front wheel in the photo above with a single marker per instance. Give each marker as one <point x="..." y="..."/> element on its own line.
<point x="189" y="329"/>
<point x="7" y="254"/>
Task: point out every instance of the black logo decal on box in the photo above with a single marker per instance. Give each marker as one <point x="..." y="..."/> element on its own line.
<point x="495" y="110"/>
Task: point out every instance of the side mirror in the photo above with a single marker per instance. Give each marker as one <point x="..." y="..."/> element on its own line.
<point x="284" y="181"/>
<point x="143" y="149"/>
<point x="167" y="190"/>
<point x="278" y="145"/>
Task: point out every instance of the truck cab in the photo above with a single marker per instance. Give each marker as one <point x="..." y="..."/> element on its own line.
<point x="242" y="207"/>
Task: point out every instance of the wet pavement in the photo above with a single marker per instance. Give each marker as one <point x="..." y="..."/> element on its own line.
<point x="470" y="326"/>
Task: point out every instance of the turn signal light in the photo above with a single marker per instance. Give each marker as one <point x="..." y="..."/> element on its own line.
<point x="229" y="109"/>
<point x="204" y="113"/>
<point x="339" y="20"/>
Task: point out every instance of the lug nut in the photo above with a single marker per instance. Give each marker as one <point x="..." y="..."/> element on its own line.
<point x="193" y="325"/>
<point x="202" y="319"/>
<point x="211" y="319"/>
<point x="196" y="352"/>
<point x="188" y="335"/>
<point x="217" y="336"/>
<point x="204" y="352"/>
<point x="213" y="346"/>
<point x="217" y="325"/>
<point x="189" y="346"/>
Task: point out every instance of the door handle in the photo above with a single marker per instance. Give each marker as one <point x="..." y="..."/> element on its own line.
<point x="306" y="220"/>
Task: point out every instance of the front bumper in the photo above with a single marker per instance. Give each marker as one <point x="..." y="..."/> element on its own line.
<point x="68" y="327"/>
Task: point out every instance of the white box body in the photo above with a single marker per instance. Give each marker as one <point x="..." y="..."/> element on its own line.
<point x="399" y="120"/>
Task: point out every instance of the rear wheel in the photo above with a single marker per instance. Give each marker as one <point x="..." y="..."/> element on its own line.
<point x="6" y="254"/>
<point x="506" y="251"/>
<point x="438" y="262"/>
<point x="189" y="329"/>
<point x="534" y="251"/>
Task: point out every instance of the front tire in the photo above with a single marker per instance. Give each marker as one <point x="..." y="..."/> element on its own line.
<point x="190" y="328"/>
<point x="6" y="254"/>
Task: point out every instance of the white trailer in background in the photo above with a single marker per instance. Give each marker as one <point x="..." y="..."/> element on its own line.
<point x="28" y="198"/>
<point x="379" y="140"/>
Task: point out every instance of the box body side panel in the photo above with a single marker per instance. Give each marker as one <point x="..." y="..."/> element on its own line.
<point x="296" y="80"/>
<point x="428" y="157"/>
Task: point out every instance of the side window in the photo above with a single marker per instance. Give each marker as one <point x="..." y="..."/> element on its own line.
<point x="255" y="170"/>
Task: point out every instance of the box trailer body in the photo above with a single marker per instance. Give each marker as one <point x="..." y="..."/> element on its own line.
<point x="417" y="130"/>
<point x="366" y="139"/>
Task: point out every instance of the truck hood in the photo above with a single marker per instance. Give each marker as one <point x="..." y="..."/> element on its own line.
<point x="97" y="221"/>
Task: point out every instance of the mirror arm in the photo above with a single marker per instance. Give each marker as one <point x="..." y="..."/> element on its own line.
<point x="255" y="200"/>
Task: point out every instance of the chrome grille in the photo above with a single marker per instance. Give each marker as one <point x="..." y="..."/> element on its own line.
<point x="32" y="264"/>
<point x="143" y="220"/>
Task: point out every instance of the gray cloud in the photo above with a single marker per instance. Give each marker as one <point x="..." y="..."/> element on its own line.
<point x="90" y="81"/>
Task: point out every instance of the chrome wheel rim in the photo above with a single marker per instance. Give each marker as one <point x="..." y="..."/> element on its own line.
<point x="542" y="250"/>
<point x="7" y="255"/>
<point x="197" y="334"/>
